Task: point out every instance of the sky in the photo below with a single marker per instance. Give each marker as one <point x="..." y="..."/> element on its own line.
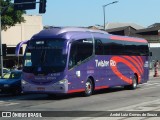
<point x="90" y="12"/>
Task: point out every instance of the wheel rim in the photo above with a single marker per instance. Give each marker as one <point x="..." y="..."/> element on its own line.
<point x="88" y="87"/>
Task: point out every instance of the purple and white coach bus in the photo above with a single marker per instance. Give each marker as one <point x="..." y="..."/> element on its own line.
<point x="69" y="60"/>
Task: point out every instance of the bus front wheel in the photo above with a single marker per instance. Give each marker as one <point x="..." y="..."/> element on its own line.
<point x="88" y="87"/>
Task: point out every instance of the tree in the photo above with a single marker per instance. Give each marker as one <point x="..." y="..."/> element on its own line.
<point x="10" y="17"/>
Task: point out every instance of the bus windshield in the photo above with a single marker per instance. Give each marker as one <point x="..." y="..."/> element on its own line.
<point x="45" y="56"/>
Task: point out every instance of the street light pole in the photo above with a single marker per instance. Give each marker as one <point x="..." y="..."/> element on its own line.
<point x="1" y="53"/>
<point x="104" y="17"/>
<point x="104" y="11"/>
<point x="1" y="57"/>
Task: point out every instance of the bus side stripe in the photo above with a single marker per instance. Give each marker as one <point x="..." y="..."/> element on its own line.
<point x="76" y="90"/>
<point x="119" y="74"/>
<point x="101" y="87"/>
<point x="135" y="63"/>
<point x="128" y="39"/>
<point x="139" y="62"/>
<point x="140" y="58"/>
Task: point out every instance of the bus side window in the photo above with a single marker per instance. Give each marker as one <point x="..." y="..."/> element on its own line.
<point x="80" y="50"/>
<point x="73" y="52"/>
<point x="98" y="47"/>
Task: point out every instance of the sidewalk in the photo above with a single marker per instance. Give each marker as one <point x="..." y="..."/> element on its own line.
<point x="151" y="73"/>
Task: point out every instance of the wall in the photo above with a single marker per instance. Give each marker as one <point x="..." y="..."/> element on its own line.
<point x="18" y="33"/>
<point x="23" y="31"/>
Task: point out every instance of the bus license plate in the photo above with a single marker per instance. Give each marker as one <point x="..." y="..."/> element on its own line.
<point x="40" y="88"/>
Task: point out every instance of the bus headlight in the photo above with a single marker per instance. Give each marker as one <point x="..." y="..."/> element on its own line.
<point x="24" y="82"/>
<point x="64" y="81"/>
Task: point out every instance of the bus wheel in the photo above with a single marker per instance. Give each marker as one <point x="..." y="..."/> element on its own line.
<point x="133" y="85"/>
<point x="88" y="87"/>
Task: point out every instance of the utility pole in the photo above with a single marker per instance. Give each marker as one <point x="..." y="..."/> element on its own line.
<point x="104" y="6"/>
<point x="1" y="56"/>
<point x="1" y="53"/>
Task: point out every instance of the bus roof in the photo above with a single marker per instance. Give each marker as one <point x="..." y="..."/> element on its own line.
<point x="59" y="31"/>
<point x="67" y="32"/>
<point x="74" y="29"/>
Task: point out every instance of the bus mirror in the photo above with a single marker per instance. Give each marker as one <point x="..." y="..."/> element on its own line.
<point x="19" y="46"/>
<point x="150" y="53"/>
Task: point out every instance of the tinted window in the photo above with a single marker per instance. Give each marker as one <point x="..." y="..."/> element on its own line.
<point x="80" y="50"/>
<point x="143" y="49"/>
<point x="115" y="47"/>
<point x="136" y="48"/>
<point x="131" y="48"/>
<point x="99" y="47"/>
<point x="45" y="56"/>
<point x="118" y="47"/>
<point x="108" y="47"/>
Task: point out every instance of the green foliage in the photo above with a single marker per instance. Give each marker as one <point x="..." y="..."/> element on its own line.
<point x="10" y="17"/>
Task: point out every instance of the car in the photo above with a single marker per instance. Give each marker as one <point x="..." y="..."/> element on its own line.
<point x="11" y="82"/>
<point x="5" y="70"/>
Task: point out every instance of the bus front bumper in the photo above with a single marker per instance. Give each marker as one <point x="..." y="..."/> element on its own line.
<point x="60" y="87"/>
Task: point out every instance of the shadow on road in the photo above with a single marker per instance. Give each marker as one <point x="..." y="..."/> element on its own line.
<point x="40" y="97"/>
<point x="97" y="92"/>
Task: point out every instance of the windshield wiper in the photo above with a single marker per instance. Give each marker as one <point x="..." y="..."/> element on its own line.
<point x="43" y="56"/>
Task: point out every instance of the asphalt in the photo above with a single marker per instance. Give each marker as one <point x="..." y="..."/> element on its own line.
<point x="145" y="106"/>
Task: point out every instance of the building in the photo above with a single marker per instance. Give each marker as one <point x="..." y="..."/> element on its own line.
<point x="125" y="29"/>
<point x="152" y="35"/>
<point x="19" y="32"/>
<point x="113" y="25"/>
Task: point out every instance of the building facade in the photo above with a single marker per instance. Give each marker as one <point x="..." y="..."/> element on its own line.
<point x="19" y="32"/>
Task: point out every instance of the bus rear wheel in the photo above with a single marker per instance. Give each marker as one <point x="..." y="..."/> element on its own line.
<point x="133" y="85"/>
<point x="88" y="87"/>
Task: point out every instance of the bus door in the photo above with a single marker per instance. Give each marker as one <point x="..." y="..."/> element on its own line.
<point x="80" y="60"/>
